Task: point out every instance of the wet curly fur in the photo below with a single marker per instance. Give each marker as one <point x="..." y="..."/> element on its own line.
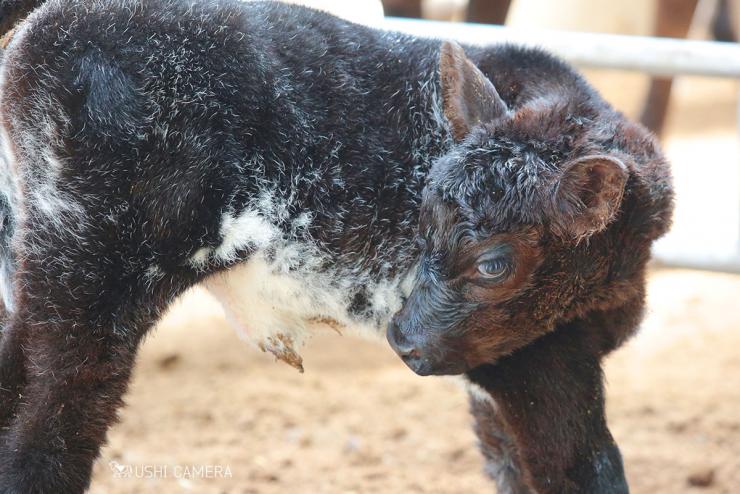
<point x="150" y="146"/>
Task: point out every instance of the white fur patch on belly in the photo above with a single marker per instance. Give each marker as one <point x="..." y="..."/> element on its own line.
<point x="277" y="309"/>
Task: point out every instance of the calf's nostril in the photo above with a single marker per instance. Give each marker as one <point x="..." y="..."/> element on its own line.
<point x="400" y="344"/>
<point x="407" y="351"/>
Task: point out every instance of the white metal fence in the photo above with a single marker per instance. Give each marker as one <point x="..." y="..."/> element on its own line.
<point x="656" y="56"/>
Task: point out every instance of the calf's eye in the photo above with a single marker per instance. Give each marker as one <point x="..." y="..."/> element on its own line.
<point x="495" y="269"/>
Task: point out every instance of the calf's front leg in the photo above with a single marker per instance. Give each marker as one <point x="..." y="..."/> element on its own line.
<point x="549" y="397"/>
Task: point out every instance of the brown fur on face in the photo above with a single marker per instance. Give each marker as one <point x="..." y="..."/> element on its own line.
<point x="489" y="330"/>
<point x="573" y="192"/>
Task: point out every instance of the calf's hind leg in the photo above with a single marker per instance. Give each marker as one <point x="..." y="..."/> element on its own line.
<point x="82" y="314"/>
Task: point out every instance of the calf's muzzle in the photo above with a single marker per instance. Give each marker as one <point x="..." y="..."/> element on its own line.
<point x="422" y="351"/>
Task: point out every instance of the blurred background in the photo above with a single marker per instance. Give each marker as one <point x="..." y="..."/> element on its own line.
<point x="358" y="421"/>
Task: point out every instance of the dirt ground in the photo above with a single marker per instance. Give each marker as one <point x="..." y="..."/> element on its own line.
<point x="358" y="421"/>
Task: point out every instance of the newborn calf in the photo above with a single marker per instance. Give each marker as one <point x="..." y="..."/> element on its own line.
<point x="290" y="161"/>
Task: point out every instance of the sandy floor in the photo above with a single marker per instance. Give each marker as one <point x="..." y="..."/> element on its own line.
<point x="359" y="421"/>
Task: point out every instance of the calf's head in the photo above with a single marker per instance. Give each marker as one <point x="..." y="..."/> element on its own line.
<point x="514" y="225"/>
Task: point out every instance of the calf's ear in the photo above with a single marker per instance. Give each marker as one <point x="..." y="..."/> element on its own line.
<point x="468" y="97"/>
<point x="588" y="196"/>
